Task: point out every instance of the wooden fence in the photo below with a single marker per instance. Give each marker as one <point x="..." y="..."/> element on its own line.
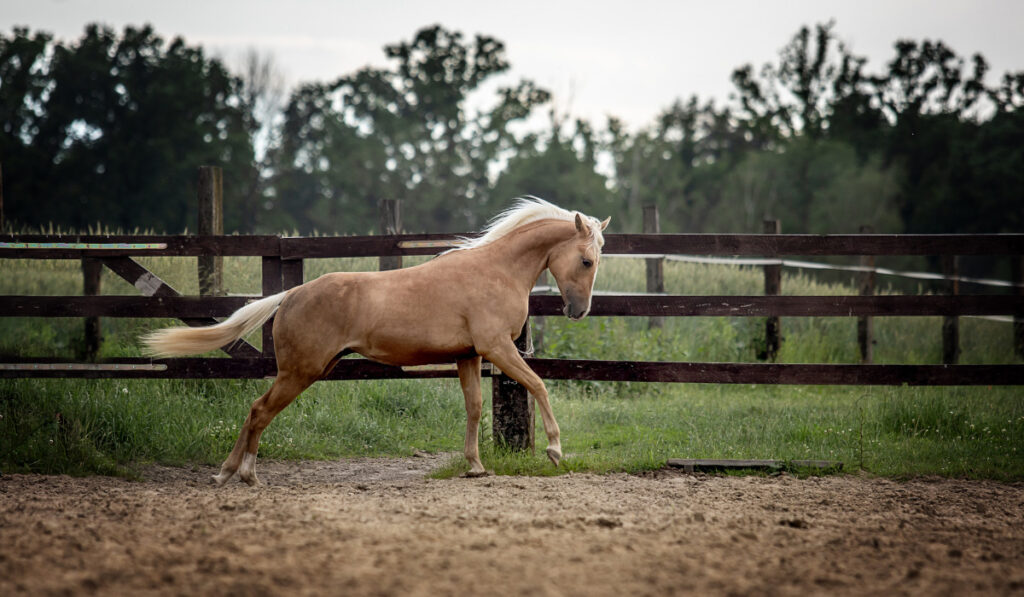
<point x="282" y="268"/>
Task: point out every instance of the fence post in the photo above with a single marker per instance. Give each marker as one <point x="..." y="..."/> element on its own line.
<point x="512" y="406"/>
<point x="865" y="323"/>
<point x="211" y="222"/>
<point x="655" y="266"/>
<point x="92" y="270"/>
<point x="292" y="273"/>
<point x="539" y="322"/>
<point x="951" y="324"/>
<point x="390" y="211"/>
<point x="1017" y="266"/>
<point x="272" y="279"/>
<point x="772" y="287"/>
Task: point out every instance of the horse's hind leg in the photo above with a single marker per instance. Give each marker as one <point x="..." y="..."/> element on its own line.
<point x="242" y="459"/>
<point x="469" y="378"/>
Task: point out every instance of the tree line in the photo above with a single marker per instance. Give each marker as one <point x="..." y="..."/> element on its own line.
<point x="111" y="128"/>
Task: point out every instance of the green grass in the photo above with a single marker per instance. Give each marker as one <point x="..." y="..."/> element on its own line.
<point x="112" y="426"/>
<point x="887" y="431"/>
<point x="107" y="426"/>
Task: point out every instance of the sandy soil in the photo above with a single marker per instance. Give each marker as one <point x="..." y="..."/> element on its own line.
<point x="378" y="527"/>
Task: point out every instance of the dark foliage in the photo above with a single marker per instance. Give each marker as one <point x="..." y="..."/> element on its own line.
<point x="111" y="129"/>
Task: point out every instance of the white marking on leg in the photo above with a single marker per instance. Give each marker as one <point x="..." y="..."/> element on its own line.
<point x="222" y="477"/>
<point x="248" y="469"/>
<point x="554" y="451"/>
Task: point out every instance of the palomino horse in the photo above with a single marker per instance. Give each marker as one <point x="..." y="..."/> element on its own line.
<point x="467" y="304"/>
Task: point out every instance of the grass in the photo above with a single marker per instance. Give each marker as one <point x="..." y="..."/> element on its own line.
<point x="887" y="431"/>
<point x="113" y="426"/>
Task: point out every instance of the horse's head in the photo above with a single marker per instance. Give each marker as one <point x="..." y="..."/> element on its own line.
<point x="574" y="263"/>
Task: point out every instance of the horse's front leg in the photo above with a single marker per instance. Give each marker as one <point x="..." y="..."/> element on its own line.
<point x="469" y="378"/>
<point x="507" y="358"/>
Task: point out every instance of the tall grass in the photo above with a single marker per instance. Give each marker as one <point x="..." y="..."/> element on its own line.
<point x="111" y="426"/>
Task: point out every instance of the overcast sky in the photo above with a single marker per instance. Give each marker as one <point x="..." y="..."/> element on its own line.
<point x="628" y="59"/>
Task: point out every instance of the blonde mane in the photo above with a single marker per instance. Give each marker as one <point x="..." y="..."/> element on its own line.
<point x="525" y="211"/>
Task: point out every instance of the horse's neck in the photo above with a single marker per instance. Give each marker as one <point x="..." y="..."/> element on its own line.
<point x="525" y="251"/>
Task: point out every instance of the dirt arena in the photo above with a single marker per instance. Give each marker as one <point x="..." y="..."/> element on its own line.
<point x="378" y="527"/>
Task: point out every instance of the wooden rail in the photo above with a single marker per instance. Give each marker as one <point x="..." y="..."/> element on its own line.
<point x="569" y="369"/>
<point x="540" y="305"/>
<point x="282" y="267"/>
<point x="40" y="246"/>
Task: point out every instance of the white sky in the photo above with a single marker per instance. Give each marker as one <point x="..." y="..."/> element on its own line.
<point x="628" y="59"/>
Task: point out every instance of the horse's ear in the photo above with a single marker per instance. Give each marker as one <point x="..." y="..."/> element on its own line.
<point x="604" y="224"/>
<point x="579" y="224"/>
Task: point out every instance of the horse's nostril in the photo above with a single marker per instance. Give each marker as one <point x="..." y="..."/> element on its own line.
<point x="573" y="313"/>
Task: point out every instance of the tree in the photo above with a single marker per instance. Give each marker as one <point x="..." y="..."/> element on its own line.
<point x="845" y="192"/>
<point x="677" y="164"/>
<point x="932" y="105"/>
<point x="23" y="85"/>
<point x="818" y="93"/>
<point x="262" y="98"/>
<point x="928" y="78"/>
<point x="403" y="133"/>
<point x="995" y="157"/>
<point x="559" y="167"/>
<point x="113" y="128"/>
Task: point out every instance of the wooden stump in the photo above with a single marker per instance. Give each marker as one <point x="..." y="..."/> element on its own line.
<point x="512" y="407"/>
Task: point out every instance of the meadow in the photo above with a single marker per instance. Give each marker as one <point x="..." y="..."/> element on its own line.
<point x="114" y="426"/>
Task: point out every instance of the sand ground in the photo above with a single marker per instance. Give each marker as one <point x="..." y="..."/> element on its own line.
<point x="380" y="527"/>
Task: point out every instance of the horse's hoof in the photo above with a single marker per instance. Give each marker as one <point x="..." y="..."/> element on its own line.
<point x="475" y="474"/>
<point x="221" y="478"/>
<point x="554" y="455"/>
<point x="252" y="481"/>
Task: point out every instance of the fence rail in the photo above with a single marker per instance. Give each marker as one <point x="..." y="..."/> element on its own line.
<point x="566" y="369"/>
<point x="71" y="246"/>
<point x="625" y="305"/>
<point x="282" y="266"/>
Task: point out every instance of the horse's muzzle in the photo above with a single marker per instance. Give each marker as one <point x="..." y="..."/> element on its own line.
<point x="574" y="313"/>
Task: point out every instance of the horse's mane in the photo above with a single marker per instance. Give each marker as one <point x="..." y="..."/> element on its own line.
<point x="524" y="211"/>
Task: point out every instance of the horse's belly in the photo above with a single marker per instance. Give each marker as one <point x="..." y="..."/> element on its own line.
<point x="419" y="358"/>
<point x="413" y="348"/>
<point x="409" y="357"/>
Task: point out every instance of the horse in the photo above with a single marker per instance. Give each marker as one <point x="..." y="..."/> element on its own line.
<point x="467" y="304"/>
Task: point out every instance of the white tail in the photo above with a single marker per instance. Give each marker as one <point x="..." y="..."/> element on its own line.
<point x="178" y="341"/>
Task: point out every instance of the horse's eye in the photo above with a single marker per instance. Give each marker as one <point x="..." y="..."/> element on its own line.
<point x="587" y="262"/>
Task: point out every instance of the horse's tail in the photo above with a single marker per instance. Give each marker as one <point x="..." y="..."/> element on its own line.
<point x="178" y="341"/>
